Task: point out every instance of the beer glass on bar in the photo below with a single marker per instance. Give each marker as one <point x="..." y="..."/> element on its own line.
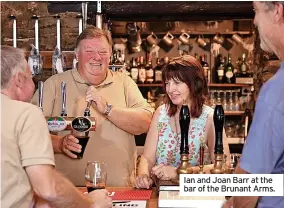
<point x="95" y="175"/>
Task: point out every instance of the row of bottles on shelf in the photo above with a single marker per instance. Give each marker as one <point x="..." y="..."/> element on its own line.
<point x="226" y="72"/>
<point x="142" y="71"/>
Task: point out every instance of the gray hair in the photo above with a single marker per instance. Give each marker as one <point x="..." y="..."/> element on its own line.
<point x="12" y="61"/>
<point x="270" y="4"/>
<point x="94" y="32"/>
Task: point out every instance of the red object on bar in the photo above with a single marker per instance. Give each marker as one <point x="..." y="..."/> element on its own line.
<point x="130" y="194"/>
<point x="120" y="194"/>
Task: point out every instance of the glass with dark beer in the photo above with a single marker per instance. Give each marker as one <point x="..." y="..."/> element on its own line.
<point x="83" y="141"/>
<point x="95" y="175"/>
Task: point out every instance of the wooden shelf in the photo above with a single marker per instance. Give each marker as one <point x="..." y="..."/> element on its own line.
<point x="234" y="113"/>
<point x="210" y="85"/>
<point x="227" y="85"/>
<point x="151" y="85"/>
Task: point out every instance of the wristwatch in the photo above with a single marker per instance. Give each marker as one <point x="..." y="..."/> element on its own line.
<point x="109" y="107"/>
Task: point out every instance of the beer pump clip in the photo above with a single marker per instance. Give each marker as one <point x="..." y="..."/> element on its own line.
<point x="63" y="122"/>
<point x="35" y="60"/>
<point x="58" y="64"/>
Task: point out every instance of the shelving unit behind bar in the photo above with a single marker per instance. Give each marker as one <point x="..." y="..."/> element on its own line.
<point x="209" y="85"/>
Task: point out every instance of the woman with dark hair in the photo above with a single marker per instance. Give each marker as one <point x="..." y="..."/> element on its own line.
<point x="183" y="81"/>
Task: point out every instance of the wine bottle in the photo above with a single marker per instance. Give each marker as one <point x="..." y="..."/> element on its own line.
<point x="229" y="71"/>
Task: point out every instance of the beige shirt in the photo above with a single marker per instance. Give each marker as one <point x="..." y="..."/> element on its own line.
<point x="108" y="143"/>
<point x="25" y="141"/>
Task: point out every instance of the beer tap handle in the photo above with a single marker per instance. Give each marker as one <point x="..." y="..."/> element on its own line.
<point x="40" y="91"/>
<point x="184" y="121"/>
<point x="63" y="93"/>
<point x="87" y="110"/>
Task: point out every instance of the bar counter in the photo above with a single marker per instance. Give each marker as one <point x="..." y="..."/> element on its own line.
<point x="152" y="203"/>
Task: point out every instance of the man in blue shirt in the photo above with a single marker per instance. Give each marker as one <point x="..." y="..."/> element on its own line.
<point x="264" y="151"/>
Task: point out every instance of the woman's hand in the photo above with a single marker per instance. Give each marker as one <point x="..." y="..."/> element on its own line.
<point x="143" y="181"/>
<point x="164" y="172"/>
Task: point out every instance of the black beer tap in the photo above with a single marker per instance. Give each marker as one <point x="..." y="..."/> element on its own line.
<point x="219" y="119"/>
<point x="184" y="121"/>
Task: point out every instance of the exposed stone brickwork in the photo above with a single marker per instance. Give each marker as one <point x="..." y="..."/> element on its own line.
<point x="47" y="26"/>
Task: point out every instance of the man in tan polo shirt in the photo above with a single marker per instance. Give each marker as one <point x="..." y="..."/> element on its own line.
<point x="117" y="104"/>
<point x="27" y="160"/>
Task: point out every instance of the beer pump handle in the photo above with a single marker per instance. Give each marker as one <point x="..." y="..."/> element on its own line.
<point x="184" y="121"/>
<point x="87" y="109"/>
<point x="40" y="92"/>
<point x="63" y="93"/>
<point x="219" y="119"/>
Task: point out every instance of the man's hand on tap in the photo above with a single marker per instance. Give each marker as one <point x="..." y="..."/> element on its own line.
<point x="98" y="103"/>
<point x="69" y="143"/>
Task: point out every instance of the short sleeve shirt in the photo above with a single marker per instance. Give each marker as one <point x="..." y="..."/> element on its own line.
<point x="263" y="152"/>
<point x="25" y="141"/>
<point x="108" y="143"/>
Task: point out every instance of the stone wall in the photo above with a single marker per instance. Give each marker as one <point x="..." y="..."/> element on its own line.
<point x="23" y="11"/>
<point x="69" y="30"/>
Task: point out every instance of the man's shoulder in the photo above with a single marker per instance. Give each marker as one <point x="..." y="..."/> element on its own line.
<point x="272" y="92"/>
<point x="30" y="108"/>
<point x="22" y="109"/>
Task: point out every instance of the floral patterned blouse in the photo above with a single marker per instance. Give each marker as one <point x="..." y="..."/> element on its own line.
<point x="168" y="147"/>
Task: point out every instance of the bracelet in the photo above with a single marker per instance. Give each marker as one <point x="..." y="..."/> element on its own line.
<point x="109" y="107"/>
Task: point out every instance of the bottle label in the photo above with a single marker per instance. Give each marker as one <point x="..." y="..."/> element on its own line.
<point x="142" y="75"/>
<point x="206" y="69"/>
<point x="244" y="68"/>
<point x="158" y="76"/>
<point x="134" y="73"/>
<point x="150" y="73"/>
<point x="229" y="74"/>
<point x="220" y="72"/>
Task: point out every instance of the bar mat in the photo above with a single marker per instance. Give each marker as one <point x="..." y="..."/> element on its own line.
<point x="118" y="194"/>
<point x="130" y="194"/>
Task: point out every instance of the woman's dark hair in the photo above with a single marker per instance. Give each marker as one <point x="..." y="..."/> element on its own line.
<point x="188" y="70"/>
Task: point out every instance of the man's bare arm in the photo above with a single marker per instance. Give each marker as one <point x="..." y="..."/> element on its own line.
<point x="133" y="120"/>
